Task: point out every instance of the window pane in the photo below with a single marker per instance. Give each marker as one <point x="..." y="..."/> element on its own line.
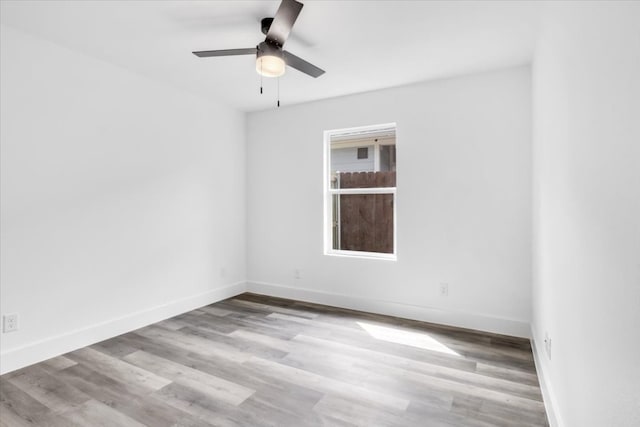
<point x="363" y="222"/>
<point x="388" y="158"/>
<point x="363" y="161"/>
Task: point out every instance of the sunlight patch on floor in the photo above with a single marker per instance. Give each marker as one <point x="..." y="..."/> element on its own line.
<point x="399" y="336"/>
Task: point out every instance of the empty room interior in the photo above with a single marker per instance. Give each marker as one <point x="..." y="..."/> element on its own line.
<point x="320" y="213"/>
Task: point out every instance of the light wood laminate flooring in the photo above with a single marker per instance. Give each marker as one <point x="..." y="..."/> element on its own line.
<point x="260" y="361"/>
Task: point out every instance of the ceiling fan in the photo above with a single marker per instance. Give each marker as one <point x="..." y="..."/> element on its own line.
<point x="271" y="59"/>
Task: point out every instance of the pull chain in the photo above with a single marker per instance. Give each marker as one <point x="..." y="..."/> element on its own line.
<point x="260" y="77"/>
<point x="278" y="92"/>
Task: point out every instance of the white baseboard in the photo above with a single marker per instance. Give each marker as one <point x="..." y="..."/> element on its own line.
<point x="548" y="396"/>
<point x="407" y="311"/>
<point x="38" y="351"/>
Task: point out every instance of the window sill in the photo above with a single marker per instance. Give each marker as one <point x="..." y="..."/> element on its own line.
<point x="362" y="255"/>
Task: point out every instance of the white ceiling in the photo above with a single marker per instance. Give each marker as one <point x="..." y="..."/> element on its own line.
<point x="363" y="45"/>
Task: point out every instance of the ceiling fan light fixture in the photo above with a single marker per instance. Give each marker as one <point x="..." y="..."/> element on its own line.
<point x="270" y="65"/>
<point x="270" y="60"/>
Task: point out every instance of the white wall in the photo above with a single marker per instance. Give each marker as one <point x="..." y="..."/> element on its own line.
<point x="122" y="199"/>
<point x="586" y="289"/>
<point x="463" y="202"/>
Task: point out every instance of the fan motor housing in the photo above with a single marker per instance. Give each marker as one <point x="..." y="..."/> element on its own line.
<point x="265" y="24"/>
<point x="269" y="49"/>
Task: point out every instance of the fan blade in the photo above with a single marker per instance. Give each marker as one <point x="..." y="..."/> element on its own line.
<point x="302" y="65"/>
<point x="283" y="21"/>
<point x="225" y="52"/>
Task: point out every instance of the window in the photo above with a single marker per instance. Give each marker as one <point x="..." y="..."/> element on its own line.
<point x="360" y="191"/>
<point x="363" y="153"/>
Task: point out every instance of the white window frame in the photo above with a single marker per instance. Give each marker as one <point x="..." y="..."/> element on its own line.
<point x="330" y="192"/>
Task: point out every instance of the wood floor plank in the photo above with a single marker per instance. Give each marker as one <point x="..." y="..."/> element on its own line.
<point x="272" y="327"/>
<point x="262" y="409"/>
<point x="326" y="385"/>
<point x="49" y="389"/>
<point x="211" y="385"/>
<point x="114" y="347"/>
<point x="275" y="309"/>
<point x="197" y="404"/>
<point x="445" y="385"/>
<point x="521" y="377"/>
<point x="290" y="318"/>
<point x="283" y="345"/>
<point x="354" y="412"/>
<point x="364" y="340"/>
<point x="193" y="343"/>
<point x="506" y="415"/>
<point x="118" y="369"/>
<point x="19" y="406"/>
<point x="212" y="309"/>
<point x="58" y="363"/>
<point x="96" y="414"/>
<point x="374" y="379"/>
<point x="254" y="360"/>
<point x="237" y="343"/>
<point x="9" y="418"/>
<point x="418" y="414"/>
<point x="123" y="398"/>
<point x="206" y="320"/>
<point x="322" y="349"/>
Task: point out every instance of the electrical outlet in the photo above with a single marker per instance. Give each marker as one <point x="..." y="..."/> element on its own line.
<point x="444" y="289"/>
<point x="9" y="323"/>
<point x="296" y="273"/>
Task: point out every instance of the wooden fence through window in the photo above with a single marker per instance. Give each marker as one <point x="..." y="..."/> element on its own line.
<point x="366" y="220"/>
